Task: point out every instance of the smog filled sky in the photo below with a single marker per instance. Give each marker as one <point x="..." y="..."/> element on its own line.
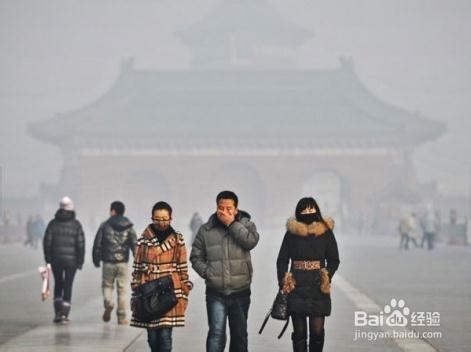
<point x="57" y="56"/>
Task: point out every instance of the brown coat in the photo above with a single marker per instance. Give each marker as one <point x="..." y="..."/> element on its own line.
<point x="154" y="260"/>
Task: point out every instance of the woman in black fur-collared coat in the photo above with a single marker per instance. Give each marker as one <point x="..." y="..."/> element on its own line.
<point x="310" y="244"/>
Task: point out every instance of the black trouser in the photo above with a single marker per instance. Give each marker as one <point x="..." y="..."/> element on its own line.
<point x="316" y="333"/>
<point x="63" y="281"/>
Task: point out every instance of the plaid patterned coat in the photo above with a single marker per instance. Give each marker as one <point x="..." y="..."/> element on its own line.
<point x="155" y="259"/>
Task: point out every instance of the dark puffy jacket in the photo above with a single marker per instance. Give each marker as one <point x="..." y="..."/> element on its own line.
<point x="313" y="242"/>
<point x="221" y="255"/>
<point x="113" y="241"/>
<point x="64" y="241"/>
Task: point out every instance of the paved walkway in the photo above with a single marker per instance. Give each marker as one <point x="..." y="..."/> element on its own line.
<point x="375" y="269"/>
<point x="87" y="332"/>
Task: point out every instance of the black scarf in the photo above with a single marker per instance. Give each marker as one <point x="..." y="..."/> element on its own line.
<point x="162" y="234"/>
<point x="308" y="218"/>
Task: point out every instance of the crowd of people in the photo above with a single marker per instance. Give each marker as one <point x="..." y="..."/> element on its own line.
<point x="425" y="230"/>
<point x="220" y="255"/>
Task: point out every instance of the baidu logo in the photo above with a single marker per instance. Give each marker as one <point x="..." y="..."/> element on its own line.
<point x="398" y="313"/>
<point x="395" y="321"/>
<point x="393" y="314"/>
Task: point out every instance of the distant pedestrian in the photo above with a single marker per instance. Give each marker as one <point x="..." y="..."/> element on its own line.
<point x="414" y="233"/>
<point x="438" y="224"/>
<point x="404" y="230"/>
<point x="38" y="229"/>
<point x="64" y="249"/>
<point x="29" y="231"/>
<point x="195" y="224"/>
<point x="429" y="228"/>
<point x="114" y="240"/>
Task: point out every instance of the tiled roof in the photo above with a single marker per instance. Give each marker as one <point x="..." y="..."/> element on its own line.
<point x="261" y="108"/>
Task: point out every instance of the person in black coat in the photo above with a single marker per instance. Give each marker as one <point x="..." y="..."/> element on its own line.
<point x="64" y="249"/>
<point x="310" y="245"/>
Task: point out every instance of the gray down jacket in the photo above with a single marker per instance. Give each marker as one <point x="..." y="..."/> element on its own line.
<point x="221" y="255"/>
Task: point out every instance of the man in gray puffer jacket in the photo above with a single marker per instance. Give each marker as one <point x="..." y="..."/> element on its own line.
<point x="113" y="242"/>
<point x="221" y="255"/>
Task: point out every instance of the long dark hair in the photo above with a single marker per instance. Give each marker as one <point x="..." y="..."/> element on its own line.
<point x="309" y="202"/>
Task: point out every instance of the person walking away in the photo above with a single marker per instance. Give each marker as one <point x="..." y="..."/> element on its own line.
<point x="64" y="250"/>
<point x="114" y="240"/>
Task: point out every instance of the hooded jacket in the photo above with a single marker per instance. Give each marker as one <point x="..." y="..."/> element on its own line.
<point x="221" y="254"/>
<point x="64" y="241"/>
<point x="114" y="240"/>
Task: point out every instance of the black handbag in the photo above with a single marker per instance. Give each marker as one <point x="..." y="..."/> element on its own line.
<point x="278" y="311"/>
<point x="153" y="299"/>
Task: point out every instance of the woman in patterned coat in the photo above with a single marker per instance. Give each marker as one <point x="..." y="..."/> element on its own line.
<point x="160" y="252"/>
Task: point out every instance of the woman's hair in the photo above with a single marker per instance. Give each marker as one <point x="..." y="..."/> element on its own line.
<point x="309" y="202"/>
<point x="162" y="206"/>
<point x="306" y="202"/>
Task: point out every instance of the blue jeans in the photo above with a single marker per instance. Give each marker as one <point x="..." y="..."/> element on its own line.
<point x="220" y="310"/>
<point x="160" y="340"/>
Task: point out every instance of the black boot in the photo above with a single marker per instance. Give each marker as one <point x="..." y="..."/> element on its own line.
<point x="316" y="342"/>
<point x="299" y="343"/>
<point x="65" y="312"/>
<point x="57" y="310"/>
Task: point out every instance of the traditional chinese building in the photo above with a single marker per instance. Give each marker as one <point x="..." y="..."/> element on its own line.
<point x="242" y="118"/>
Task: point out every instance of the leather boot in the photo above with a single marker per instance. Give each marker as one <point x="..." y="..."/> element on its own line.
<point x="316" y="342"/>
<point x="65" y="312"/>
<point x="57" y="310"/>
<point x="299" y="343"/>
